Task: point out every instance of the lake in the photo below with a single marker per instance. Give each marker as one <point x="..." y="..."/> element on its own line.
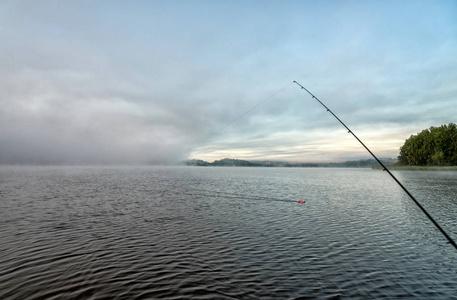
<point x="224" y="233"/>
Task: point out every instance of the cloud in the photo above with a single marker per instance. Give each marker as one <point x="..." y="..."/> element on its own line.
<point x="90" y="83"/>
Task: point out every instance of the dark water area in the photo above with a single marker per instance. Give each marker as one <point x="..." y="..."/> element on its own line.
<point x="224" y="233"/>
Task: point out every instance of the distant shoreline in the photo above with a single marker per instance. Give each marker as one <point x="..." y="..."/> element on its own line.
<point x="363" y="163"/>
<point x="228" y="162"/>
<point x="418" y="168"/>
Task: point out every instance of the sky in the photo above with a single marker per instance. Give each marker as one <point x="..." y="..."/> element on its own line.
<point x="158" y="82"/>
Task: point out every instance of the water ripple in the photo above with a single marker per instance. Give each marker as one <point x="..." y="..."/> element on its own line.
<point x="180" y="233"/>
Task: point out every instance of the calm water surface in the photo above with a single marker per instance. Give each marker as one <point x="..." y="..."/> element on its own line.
<point x="224" y="233"/>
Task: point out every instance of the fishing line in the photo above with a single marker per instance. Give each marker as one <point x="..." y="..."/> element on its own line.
<point x="451" y="241"/>
<point x="240" y="116"/>
<point x="226" y="195"/>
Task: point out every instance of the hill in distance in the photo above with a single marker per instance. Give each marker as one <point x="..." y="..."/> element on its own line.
<point x="229" y="162"/>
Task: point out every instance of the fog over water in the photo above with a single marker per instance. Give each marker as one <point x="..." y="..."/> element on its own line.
<point x="111" y="82"/>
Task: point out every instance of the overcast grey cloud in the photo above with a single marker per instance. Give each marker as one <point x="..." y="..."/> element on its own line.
<point x="145" y="82"/>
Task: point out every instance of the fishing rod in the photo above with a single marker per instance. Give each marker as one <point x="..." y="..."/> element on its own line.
<point x="451" y="241"/>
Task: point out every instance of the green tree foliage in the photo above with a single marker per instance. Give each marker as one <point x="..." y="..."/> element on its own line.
<point x="436" y="146"/>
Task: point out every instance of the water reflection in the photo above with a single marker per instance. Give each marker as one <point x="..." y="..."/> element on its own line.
<point x="180" y="233"/>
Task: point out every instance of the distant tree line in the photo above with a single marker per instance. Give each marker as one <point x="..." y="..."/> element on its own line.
<point x="228" y="162"/>
<point x="436" y="146"/>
